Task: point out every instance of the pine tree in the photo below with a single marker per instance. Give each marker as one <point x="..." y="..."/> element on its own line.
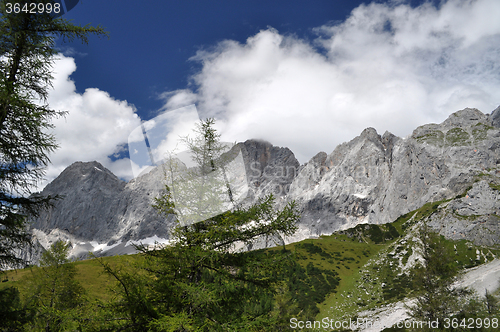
<point x="437" y="298"/>
<point x="53" y="293"/>
<point x="204" y="191"/>
<point x="491" y="303"/>
<point x="12" y="314"/>
<point x="27" y="53"/>
<point x="200" y="281"/>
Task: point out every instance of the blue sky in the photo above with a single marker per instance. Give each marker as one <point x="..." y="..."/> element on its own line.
<point x="308" y="75"/>
<point x="151" y="44"/>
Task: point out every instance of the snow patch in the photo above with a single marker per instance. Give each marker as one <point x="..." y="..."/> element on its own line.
<point x="150" y="241"/>
<point x="103" y="246"/>
<point x="46" y="240"/>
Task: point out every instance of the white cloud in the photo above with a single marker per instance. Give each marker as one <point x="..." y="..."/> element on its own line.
<point x="95" y="127"/>
<point x="164" y="134"/>
<point x="178" y="98"/>
<point x="387" y="66"/>
<point x="391" y="67"/>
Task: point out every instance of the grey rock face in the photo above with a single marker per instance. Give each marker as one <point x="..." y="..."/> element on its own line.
<point x="89" y="194"/>
<point x="98" y="207"/>
<point x="269" y="169"/>
<point x="374" y="179"/>
<point x="371" y="179"/>
<point x="495" y="117"/>
<point x="475" y="217"/>
<point x="98" y="210"/>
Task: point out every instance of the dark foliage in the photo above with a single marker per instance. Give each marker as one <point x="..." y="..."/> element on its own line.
<point x="27" y="50"/>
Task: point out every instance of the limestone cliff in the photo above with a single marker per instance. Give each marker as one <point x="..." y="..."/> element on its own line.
<point x="375" y="179"/>
<point x="101" y="213"/>
<point x="371" y="179"/>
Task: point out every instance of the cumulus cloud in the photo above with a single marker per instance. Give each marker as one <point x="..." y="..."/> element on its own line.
<point x="164" y="135"/>
<point x="387" y="66"/>
<point x="95" y="127"/>
<point x="178" y="99"/>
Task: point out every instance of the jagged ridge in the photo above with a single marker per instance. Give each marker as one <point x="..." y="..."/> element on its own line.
<point x="371" y="179"/>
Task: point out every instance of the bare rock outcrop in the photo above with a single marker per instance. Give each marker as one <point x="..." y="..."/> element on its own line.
<point x="97" y="211"/>
<point x="376" y="179"/>
<point x="475" y="216"/>
<point x="370" y="179"/>
<point x="101" y="213"/>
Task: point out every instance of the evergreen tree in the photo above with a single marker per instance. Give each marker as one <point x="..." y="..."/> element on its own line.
<point x="12" y="314"/>
<point x="491" y="303"/>
<point x="200" y="281"/>
<point x="204" y="191"/>
<point x="437" y="299"/>
<point x="27" y="53"/>
<point x="53" y="295"/>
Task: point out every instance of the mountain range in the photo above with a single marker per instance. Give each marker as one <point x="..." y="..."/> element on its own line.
<point x="372" y="179"/>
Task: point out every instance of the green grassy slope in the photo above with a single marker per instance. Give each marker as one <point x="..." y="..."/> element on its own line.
<point x="339" y="275"/>
<point x="380" y="280"/>
<point x="89" y="274"/>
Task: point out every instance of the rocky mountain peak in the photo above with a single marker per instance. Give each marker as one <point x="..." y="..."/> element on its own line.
<point x="467" y="127"/>
<point x="374" y="179"/>
<point x="370" y="179"/>
<point x="370" y="133"/>
<point x="465" y="118"/>
<point x="319" y="159"/>
<point x="85" y="175"/>
<point x="495" y="117"/>
<point x="264" y="153"/>
<point x="269" y="168"/>
<point x="84" y="168"/>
